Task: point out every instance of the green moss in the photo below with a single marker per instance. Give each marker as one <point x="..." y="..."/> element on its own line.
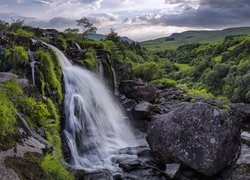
<point x="20" y="56"/>
<point x="165" y="82"/>
<point x="10" y="94"/>
<point x="227" y="107"/>
<point x="50" y="74"/>
<point x="36" y="112"/>
<point x="54" y="169"/>
<point x="23" y="32"/>
<point x="90" y="62"/>
<point x="7" y="116"/>
<point x="27" y="167"/>
<point x="7" y="53"/>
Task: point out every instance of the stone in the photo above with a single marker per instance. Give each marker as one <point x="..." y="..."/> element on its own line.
<point x="172" y="169"/>
<point x="138" y="90"/>
<point x="141" y="110"/>
<point x="198" y="135"/>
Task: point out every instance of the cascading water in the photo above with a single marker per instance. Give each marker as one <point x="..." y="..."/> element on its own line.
<point x="77" y="45"/>
<point x="32" y="65"/>
<point x="96" y="127"/>
<point x="101" y="70"/>
<point x="115" y="82"/>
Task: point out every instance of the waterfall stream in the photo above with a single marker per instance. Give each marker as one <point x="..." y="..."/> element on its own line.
<point x="96" y="126"/>
<point x="32" y="65"/>
<point x="100" y="69"/>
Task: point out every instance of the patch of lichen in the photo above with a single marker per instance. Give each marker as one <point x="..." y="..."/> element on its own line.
<point x="50" y="75"/>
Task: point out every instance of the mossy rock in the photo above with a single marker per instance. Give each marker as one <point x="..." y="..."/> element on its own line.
<point x="27" y="167"/>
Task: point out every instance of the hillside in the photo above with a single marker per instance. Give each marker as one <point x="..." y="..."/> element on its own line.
<point x="189" y="37"/>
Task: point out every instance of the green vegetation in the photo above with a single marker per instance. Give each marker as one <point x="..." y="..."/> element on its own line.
<point x="17" y="58"/>
<point x="7" y="116"/>
<point x="50" y="74"/>
<point x="55" y="169"/>
<point x="165" y="82"/>
<point x="212" y="70"/>
<point x="23" y="32"/>
<point x="90" y="62"/>
<point x="148" y="71"/>
<point x="190" y="37"/>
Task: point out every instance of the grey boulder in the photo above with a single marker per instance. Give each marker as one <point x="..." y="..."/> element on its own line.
<point x="201" y="136"/>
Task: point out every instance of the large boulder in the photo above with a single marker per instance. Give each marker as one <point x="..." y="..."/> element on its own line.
<point x="243" y="109"/>
<point x="138" y="91"/>
<point x="201" y="136"/>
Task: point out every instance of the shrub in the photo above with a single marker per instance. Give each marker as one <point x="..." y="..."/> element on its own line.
<point x="148" y="71"/>
<point x="165" y="82"/>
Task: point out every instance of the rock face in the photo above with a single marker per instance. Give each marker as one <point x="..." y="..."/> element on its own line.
<point x="138" y="90"/>
<point x="201" y="136"/>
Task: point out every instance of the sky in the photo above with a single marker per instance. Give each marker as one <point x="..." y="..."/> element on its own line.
<point x="137" y="19"/>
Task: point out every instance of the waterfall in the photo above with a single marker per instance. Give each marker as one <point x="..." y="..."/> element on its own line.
<point x="101" y="70"/>
<point x="96" y="127"/>
<point x="115" y="82"/>
<point x="32" y="65"/>
<point x="77" y="45"/>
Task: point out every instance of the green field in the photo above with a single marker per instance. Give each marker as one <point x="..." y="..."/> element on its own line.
<point x="190" y="37"/>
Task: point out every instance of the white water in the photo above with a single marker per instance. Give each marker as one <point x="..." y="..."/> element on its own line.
<point x="96" y="127"/>
<point x="115" y="82"/>
<point x="78" y="46"/>
<point x="101" y="70"/>
<point x="32" y="65"/>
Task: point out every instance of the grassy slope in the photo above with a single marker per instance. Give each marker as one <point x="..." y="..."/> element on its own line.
<point x="189" y="37"/>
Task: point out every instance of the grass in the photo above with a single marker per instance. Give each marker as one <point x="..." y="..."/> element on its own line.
<point x="165" y="82"/>
<point x="190" y="37"/>
<point x="184" y="67"/>
<point x="7" y="116"/>
<point x="50" y="74"/>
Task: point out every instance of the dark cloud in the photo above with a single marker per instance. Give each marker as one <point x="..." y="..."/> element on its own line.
<point x="210" y="14"/>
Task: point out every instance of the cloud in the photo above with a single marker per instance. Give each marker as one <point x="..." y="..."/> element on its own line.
<point x="56" y="22"/>
<point x="210" y="14"/>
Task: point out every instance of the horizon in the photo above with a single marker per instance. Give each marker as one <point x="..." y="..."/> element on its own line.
<point x="138" y="20"/>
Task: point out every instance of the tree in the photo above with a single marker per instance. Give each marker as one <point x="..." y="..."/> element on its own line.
<point x="71" y="30"/>
<point x="113" y="36"/>
<point x="86" y="26"/>
<point x="16" y="24"/>
<point x="3" y="25"/>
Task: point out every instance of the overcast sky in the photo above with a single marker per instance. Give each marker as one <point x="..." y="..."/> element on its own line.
<point x="137" y="19"/>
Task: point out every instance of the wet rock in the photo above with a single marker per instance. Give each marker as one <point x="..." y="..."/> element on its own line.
<point x="172" y="169"/>
<point x="23" y="155"/>
<point x="6" y="77"/>
<point x="198" y="135"/>
<point x="142" y="110"/>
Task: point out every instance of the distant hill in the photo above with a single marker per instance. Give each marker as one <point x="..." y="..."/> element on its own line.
<point x="189" y="37"/>
<point x="98" y="37"/>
